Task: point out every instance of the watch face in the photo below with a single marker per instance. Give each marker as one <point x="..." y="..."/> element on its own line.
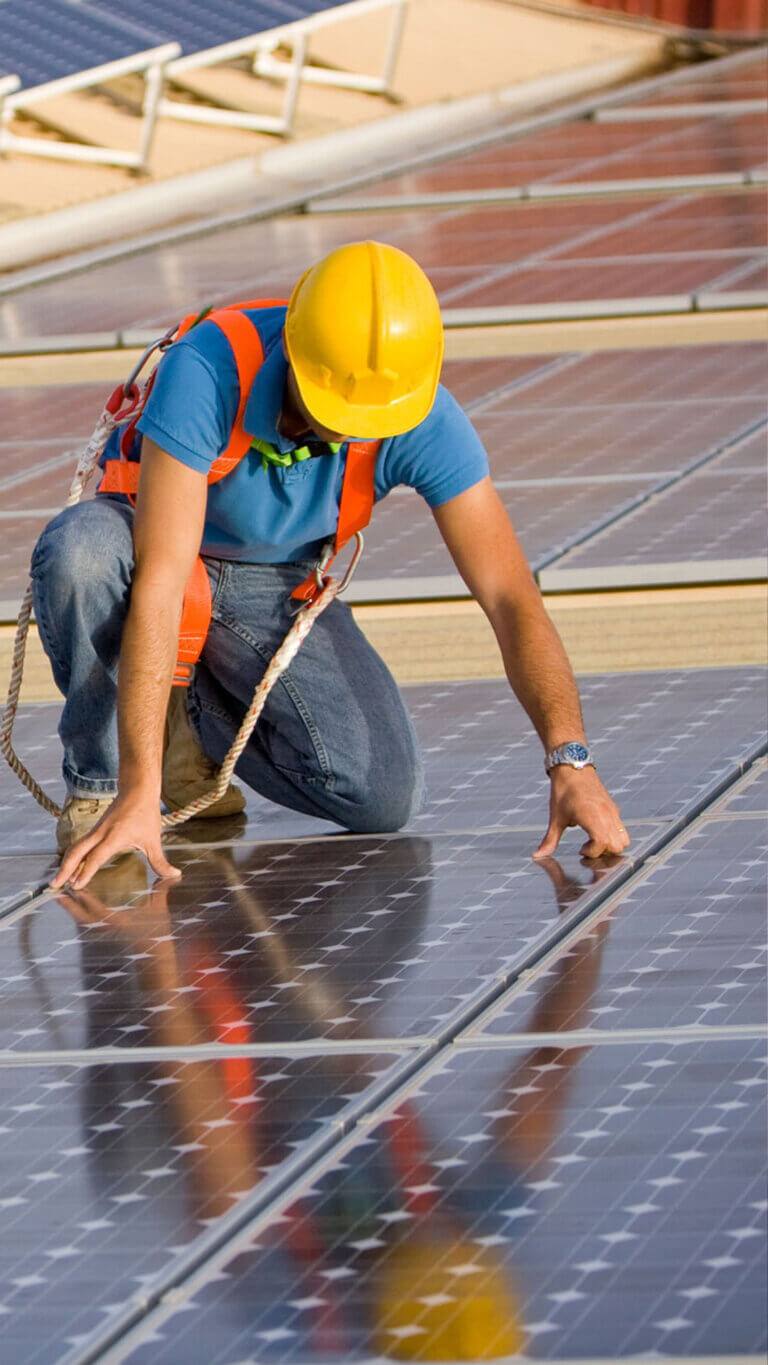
<point x="576" y="753"/>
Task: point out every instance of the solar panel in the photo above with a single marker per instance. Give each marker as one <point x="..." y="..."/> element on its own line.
<point x="595" y="1203"/>
<point x="484" y="769"/>
<point x="465" y="252"/>
<point x="752" y="797"/>
<point x="45" y="40"/>
<point x="583" y="151"/>
<point x="133" y="1161"/>
<point x="196" y="25"/>
<point x="327" y="940"/>
<point x="708" y="516"/>
<point x="684" y="949"/>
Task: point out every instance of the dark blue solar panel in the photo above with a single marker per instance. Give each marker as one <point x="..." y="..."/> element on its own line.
<point x="197" y="25"/>
<point x="45" y="40"/>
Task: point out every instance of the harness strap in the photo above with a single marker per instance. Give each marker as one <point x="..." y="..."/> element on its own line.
<point x="357" y="494"/>
<point x="355" y="507"/>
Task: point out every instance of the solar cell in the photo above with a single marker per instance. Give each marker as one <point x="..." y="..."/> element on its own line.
<point x="749" y="453"/>
<point x="708" y="516"/>
<point x="341" y="940"/>
<point x="109" y="1172"/>
<point x="196" y="25"/>
<point x="463" y="251"/>
<point x="752" y="796"/>
<point x="593" y="1203"/>
<point x="484" y="768"/>
<point x="684" y="948"/>
<point x="45" y="40"/>
<point x="584" y="151"/>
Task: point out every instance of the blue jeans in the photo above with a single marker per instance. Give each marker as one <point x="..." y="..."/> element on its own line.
<point x="334" y="739"/>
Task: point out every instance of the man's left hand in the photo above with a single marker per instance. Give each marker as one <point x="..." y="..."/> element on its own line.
<point x="578" y="797"/>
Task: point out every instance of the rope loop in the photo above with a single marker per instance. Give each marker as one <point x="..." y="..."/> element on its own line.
<point x="120" y="408"/>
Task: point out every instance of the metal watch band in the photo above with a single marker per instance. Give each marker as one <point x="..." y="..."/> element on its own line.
<point x="574" y="754"/>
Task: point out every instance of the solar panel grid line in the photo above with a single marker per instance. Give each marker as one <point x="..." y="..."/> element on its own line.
<point x="545" y="254"/>
<point x="633" y="504"/>
<point x="737" y="273"/>
<point x="632" y="917"/>
<point x="703" y="109"/>
<point x="629" y="1037"/>
<point x="194" y="1257"/>
<point x="215" y="1269"/>
<point x="84" y="260"/>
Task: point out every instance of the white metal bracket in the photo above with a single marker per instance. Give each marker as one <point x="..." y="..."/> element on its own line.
<point x="151" y="65"/>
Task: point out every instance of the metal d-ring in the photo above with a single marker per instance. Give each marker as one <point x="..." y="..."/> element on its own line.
<point x="353" y="563"/>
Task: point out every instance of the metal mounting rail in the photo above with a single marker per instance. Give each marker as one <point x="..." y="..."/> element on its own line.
<point x="515" y="129"/>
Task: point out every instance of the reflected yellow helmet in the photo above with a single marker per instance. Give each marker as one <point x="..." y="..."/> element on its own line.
<point x="364" y="337"/>
<point x="445" y="1302"/>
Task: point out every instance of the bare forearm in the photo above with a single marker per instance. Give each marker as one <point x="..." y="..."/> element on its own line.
<point x="146" y="667"/>
<point x="539" y="672"/>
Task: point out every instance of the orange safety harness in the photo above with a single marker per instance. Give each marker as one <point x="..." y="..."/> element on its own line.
<point x="357" y="493"/>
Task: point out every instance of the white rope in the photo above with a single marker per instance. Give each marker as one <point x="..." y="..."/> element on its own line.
<point x="87" y="461"/>
<point x="280" y="661"/>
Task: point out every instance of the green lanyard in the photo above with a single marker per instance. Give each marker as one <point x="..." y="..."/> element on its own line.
<point x="271" y="456"/>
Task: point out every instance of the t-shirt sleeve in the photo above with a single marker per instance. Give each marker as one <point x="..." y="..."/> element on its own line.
<point x="440" y="458"/>
<point x="186" y="411"/>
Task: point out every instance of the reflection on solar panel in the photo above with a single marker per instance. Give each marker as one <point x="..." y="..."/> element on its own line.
<point x="523" y="1194"/>
<point x="275" y="1111"/>
<point x="580" y="150"/>
<point x="473" y="256"/>
<point x="137" y="1160"/>
<point x="685" y="949"/>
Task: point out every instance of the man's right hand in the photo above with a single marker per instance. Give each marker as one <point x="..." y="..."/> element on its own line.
<point x="131" y="823"/>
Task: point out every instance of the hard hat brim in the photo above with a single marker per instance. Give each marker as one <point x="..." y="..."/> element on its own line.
<point x="365" y="422"/>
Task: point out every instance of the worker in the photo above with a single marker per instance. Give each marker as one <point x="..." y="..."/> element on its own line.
<point x="355" y="357"/>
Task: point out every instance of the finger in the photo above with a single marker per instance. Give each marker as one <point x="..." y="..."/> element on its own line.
<point x="73" y="858"/>
<point x="98" y="856"/>
<point x="595" y="848"/>
<point x="551" y="839"/>
<point x="159" y="864"/>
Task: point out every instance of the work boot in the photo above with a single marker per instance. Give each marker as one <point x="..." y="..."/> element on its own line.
<point x="188" y="772"/>
<point x="78" y="817"/>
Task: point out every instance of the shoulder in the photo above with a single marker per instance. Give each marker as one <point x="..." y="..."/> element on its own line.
<point x="441" y="457"/>
<point x="206" y="345"/>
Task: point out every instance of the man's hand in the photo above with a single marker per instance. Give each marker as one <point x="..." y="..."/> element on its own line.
<point x="132" y="822"/>
<point x="578" y="797"/>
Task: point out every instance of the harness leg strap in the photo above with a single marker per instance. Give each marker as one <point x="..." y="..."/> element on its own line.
<point x="195" y="621"/>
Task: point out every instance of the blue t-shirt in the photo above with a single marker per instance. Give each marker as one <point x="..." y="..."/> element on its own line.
<point x="278" y="514"/>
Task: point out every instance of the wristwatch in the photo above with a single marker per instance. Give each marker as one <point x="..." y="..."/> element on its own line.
<point x="573" y="755"/>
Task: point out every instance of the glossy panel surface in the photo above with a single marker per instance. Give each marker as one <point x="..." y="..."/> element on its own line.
<point x="107" y="1172"/>
<point x="483" y="763"/>
<point x="706" y="516"/>
<point x="587" y="151"/>
<point x="20" y="875"/>
<point x="332" y="939"/>
<point x="47" y="40"/>
<point x="539" y="1204"/>
<point x="196" y="25"/>
<point x="685" y="947"/>
<point x="752" y="795"/>
<point x="464" y="251"/>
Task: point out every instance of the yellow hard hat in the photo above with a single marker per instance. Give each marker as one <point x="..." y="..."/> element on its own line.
<point x="425" y="1311"/>
<point x="365" y="340"/>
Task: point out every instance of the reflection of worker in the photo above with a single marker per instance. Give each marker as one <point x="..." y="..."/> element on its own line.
<point x="342" y="404"/>
<point x="427" y="1228"/>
